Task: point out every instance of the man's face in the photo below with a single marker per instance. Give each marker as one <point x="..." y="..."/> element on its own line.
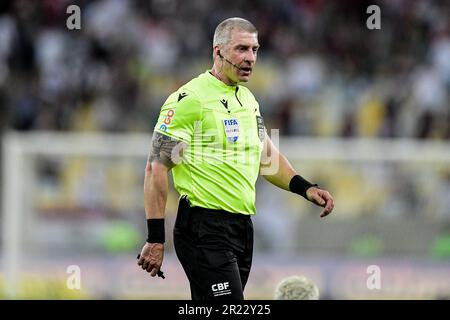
<point x="241" y="51"/>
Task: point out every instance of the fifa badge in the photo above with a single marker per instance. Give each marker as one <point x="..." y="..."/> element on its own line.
<point x="232" y="129"/>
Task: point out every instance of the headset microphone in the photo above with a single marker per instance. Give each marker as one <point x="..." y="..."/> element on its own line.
<point x="237" y="67"/>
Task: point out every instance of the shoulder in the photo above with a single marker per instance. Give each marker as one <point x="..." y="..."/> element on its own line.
<point x="187" y="93"/>
<point x="247" y="93"/>
<point x="248" y="98"/>
<point x="196" y="86"/>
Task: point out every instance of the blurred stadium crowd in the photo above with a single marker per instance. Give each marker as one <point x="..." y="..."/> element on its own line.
<point x="320" y="72"/>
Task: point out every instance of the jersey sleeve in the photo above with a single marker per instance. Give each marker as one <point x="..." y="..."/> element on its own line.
<point x="178" y="115"/>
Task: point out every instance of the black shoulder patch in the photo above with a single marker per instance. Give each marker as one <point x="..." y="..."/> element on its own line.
<point x="181" y="96"/>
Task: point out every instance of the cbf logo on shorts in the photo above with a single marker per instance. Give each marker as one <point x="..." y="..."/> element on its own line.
<point x="232" y="129"/>
<point x="221" y="289"/>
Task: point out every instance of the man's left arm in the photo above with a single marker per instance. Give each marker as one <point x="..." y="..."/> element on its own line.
<point x="288" y="179"/>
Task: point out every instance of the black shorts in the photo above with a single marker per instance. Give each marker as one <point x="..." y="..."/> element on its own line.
<point x="215" y="249"/>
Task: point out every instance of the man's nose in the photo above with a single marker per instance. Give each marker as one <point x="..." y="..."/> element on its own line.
<point x="250" y="56"/>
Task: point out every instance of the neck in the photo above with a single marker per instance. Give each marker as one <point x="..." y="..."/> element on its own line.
<point x="222" y="77"/>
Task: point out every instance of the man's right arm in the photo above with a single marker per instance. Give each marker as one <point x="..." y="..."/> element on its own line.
<point x="164" y="154"/>
<point x="161" y="159"/>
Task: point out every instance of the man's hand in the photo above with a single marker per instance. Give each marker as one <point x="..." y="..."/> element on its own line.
<point x="151" y="257"/>
<point x="321" y="198"/>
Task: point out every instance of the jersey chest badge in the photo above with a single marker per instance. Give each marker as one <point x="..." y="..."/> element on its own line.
<point x="232" y="129"/>
<point x="261" y="128"/>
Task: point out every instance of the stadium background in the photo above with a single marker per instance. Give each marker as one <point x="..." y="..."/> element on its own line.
<point x="322" y="78"/>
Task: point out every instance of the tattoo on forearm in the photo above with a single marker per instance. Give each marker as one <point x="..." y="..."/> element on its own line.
<point x="165" y="150"/>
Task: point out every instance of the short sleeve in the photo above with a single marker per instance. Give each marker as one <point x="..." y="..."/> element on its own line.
<point x="178" y="115"/>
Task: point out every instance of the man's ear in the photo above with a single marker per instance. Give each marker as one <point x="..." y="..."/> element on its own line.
<point x="217" y="51"/>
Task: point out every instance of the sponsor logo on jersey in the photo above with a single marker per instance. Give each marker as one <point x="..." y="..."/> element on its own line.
<point x="224" y="103"/>
<point x="169" y="116"/>
<point x="181" y="96"/>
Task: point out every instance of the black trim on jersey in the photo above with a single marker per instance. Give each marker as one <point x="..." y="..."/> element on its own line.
<point x="235" y="93"/>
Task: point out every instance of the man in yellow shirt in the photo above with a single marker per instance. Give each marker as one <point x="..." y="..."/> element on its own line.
<point x="211" y="134"/>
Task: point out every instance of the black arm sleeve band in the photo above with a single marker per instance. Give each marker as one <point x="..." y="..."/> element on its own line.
<point x="156" y="233"/>
<point x="299" y="185"/>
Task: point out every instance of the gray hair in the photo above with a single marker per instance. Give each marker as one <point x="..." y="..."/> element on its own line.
<point x="223" y="32"/>
<point x="296" y="288"/>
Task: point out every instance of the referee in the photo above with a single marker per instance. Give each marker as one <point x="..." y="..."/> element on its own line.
<point x="211" y="134"/>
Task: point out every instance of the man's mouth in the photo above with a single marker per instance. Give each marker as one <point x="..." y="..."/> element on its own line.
<point x="246" y="69"/>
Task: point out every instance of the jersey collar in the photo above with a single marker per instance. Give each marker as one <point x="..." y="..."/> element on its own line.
<point x="219" y="83"/>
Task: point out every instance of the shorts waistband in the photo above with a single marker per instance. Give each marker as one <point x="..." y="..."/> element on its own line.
<point x="219" y="213"/>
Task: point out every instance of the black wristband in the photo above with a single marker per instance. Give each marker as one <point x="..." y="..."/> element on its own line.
<point x="156" y="233"/>
<point x="299" y="185"/>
